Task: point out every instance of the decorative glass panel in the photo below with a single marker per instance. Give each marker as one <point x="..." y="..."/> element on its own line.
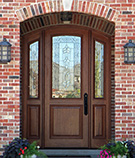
<point x="66" y="67"/>
<point x="33" y="69"/>
<point x="99" y="70"/>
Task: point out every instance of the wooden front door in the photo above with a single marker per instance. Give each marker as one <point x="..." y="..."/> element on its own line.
<point x="67" y="77"/>
<point x="66" y="87"/>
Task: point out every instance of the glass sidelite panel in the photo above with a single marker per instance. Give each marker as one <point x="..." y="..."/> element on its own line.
<point x="99" y="70"/>
<point x="66" y="67"/>
<point x="33" y="69"/>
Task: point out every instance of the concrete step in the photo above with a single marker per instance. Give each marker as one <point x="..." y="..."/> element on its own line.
<point x="69" y="156"/>
<point x="71" y="153"/>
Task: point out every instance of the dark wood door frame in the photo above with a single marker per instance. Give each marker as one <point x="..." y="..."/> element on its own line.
<point x="37" y="105"/>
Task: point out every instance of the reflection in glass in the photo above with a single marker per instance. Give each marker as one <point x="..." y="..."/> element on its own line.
<point x="66" y="67"/>
<point x="99" y="70"/>
<point x="33" y="70"/>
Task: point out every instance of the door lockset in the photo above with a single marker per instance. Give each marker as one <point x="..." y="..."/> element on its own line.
<point x="85" y="103"/>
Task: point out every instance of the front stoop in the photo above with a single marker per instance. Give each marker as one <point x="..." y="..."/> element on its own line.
<point x="70" y="153"/>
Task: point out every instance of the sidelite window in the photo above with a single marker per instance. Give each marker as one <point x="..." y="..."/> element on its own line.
<point x="33" y="69"/>
<point x="99" y="70"/>
<point x="66" y="67"/>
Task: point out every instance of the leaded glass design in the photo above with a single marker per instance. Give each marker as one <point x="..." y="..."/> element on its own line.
<point x="33" y="69"/>
<point x="99" y="70"/>
<point x="66" y="67"/>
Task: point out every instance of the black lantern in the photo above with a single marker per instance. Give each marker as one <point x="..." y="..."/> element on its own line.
<point x="5" y="51"/>
<point x="129" y="52"/>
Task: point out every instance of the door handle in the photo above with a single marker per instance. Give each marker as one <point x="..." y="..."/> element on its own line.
<point x="85" y="103"/>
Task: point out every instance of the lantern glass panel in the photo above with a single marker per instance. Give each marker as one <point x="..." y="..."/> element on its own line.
<point x="130" y="58"/>
<point x="4" y="52"/>
<point x="125" y="49"/>
<point x="125" y="58"/>
<point x="4" y="57"/>
<point x="4" y="48"/>
<point x="125" y="54"/>
<point x="130" y="54"/>
<point x="130" y="49"/>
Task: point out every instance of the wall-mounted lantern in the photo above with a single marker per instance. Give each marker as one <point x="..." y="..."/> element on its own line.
<point x="129" y="52"/>
<point x="5" y="51"/>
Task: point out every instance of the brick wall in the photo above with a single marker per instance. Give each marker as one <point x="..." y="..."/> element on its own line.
<point x="121" y="12"/>
<point x="9" y="76"/>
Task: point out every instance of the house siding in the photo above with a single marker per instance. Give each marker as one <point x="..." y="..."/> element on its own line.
<point x="120" y="12"/>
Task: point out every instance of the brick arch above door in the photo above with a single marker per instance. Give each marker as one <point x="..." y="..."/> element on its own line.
<point x="78" y="19"/>
<point x="53" y="6"/>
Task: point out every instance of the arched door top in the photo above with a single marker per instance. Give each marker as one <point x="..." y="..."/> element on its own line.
<point x="75" y="18"/>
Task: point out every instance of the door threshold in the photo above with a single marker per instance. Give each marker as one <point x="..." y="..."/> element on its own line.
<point x="61" y="153"/>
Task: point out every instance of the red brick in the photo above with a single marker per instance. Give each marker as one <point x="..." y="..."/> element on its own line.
<point x="109" y="1"/>
<point x="131" y="1"/>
